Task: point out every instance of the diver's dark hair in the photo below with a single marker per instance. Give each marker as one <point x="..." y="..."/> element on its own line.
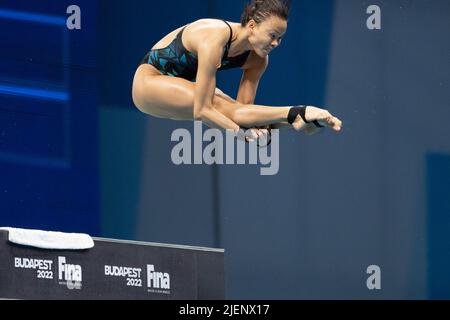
<point x="260" y="10"/>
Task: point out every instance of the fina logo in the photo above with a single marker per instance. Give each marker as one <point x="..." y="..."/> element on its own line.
<point x="157" y="280"/>
<point x="69" y="274"/>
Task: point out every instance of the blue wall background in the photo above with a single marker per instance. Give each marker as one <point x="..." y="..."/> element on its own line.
<point x="48" y="116"/>
<point x="378" y="193"/>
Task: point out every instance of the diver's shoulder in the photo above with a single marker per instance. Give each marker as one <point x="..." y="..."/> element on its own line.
<point x="213" y="31"/>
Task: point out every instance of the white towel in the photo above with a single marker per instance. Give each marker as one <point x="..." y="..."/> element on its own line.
<point x="49" y="239"/>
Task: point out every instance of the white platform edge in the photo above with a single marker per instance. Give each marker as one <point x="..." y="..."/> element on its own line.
<point x="163" y="245"/>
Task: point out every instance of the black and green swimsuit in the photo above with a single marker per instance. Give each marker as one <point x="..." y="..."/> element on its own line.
<point x="176" y="61"/>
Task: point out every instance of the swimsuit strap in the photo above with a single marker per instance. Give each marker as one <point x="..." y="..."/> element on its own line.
<point x="229" y="41"/>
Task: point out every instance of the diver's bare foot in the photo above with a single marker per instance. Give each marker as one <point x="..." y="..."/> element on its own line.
<point x="324" y="118"/>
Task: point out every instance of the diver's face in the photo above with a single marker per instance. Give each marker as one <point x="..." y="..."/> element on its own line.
<point x="267" y="35"/>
